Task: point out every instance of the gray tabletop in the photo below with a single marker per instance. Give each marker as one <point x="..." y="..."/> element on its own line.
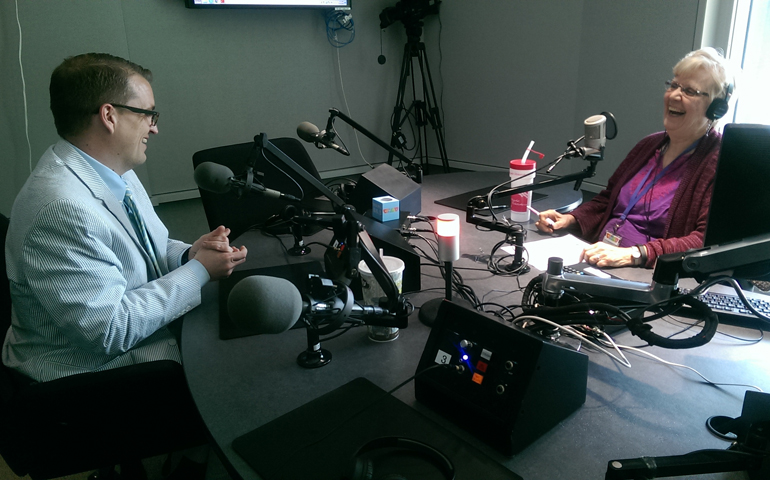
<point x="649" y="409"/>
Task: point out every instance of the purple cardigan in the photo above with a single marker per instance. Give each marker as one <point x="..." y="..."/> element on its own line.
<point x="686" y="224"/>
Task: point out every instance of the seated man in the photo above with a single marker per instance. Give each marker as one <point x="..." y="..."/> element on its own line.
<point x="94" y="278"/>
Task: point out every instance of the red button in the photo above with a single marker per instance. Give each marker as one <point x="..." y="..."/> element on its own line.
<point x="481" y="366"/>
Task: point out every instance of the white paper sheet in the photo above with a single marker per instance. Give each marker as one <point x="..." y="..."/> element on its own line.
<point x="568" y="247"/>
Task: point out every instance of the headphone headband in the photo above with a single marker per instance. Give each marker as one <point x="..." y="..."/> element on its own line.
<point x="363" y="469"/>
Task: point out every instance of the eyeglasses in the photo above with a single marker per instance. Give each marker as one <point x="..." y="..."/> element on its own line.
<point x="153" y="114"/>
<point x="690" y="92"/>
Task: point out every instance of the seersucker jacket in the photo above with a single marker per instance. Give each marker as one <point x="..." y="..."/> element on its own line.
<point x="83" y="298"/>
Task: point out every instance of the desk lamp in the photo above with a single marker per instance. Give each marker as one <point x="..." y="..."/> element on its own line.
<point x="448" y="233"/>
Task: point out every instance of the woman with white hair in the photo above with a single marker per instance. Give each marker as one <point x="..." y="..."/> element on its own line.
<point x="657" y="200"/>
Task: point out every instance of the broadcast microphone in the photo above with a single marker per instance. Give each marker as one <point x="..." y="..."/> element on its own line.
<point x="594" y="140"/>
<point x="321" y="138"/>
<point x="273" y="305"/>
<point x="595" y="133"/>
<point x="217" y="178"/>
<point x="265" y="304"/>
<point x="213" y="177"/>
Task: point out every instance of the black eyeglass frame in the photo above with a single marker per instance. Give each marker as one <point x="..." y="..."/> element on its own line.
<point x="152" y="113"/>
<point x="689" y="91"/>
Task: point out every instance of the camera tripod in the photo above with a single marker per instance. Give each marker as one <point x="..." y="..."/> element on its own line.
<point x="425" y="111"/>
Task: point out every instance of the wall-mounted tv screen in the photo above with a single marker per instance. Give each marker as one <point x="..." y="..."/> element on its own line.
<point x="267" y="3"/>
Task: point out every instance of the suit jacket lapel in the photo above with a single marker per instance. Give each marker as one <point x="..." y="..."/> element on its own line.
<point x="86" y="174"/>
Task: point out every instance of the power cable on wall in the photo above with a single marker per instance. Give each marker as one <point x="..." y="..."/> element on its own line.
<point x="24" y="91"/>
<point x="341" y="21"/>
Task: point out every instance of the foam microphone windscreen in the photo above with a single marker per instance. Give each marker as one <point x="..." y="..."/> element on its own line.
<point x="213" y="177"/>
<point x="264" y="304"/>
<point x="307" y="132"/>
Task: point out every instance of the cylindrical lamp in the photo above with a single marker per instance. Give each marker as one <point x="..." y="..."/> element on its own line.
<point x="448" y="230"/>
<point x="448" y="233"/>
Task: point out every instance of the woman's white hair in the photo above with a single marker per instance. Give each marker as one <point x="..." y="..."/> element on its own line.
<point x="720" y="71"/>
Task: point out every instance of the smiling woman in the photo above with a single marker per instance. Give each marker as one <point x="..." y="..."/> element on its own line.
<point x="657" y="200"/>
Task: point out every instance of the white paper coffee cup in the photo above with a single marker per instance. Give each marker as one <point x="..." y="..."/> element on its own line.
<point x="372" y="292"/>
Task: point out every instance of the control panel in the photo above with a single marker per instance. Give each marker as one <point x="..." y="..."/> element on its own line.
<point x="505" y="384"/>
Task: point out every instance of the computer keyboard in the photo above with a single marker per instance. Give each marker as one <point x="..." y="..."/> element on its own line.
<point x="729" y="306"/>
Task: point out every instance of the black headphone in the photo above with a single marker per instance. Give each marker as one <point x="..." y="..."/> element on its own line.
<point x="362" y="467"/>
<point x="719" y="106"/>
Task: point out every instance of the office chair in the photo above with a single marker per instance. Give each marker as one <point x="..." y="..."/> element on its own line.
<point x="241" y="214"/>
<point x="91" y="420"/>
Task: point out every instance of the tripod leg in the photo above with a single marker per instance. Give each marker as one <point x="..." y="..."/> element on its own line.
<point x="432" y="111"/>
<point x="395" y="125"/>
<point x="426" y="110"/>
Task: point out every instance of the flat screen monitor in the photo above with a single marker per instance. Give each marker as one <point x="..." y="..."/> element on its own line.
<point x="343" y="4"/>
<point x="740" y="203"/>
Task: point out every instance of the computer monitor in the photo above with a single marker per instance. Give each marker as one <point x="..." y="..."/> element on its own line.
<point x="740" y="203"/>
<point x="343" y="4"/>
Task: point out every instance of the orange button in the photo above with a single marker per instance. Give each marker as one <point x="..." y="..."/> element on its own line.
<point x="477" y="378"/>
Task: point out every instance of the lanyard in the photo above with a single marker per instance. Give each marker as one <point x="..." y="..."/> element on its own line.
<point x="640" y="192"/>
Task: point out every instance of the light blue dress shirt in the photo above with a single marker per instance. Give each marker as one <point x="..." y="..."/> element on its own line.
<point x="117" y="185"/>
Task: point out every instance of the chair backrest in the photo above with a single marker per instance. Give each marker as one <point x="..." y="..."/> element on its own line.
<point x="239" y="214"/>
<point x="5" y="290"/>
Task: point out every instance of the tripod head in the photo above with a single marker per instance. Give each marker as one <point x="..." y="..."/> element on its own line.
<point x="410" y="13"/>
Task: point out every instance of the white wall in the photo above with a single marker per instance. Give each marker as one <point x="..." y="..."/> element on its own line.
<point x="522" y="71"/>
<point x="506" y="72"/>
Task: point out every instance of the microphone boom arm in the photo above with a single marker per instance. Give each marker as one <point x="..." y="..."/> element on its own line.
<point x="480" y="201"/>
<point x="341" y="264"/>
<point x="335" y="113"/>
<point x="261" y="142"/>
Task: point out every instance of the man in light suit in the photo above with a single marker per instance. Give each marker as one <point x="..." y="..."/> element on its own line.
<point x="95" y="280"/>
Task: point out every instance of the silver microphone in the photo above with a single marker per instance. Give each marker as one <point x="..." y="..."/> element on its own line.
<point x="595" y="133"/>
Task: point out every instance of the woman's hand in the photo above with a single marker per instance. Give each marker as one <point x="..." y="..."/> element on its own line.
<point x="605" y="255"/>
<point x="551" y="220"/>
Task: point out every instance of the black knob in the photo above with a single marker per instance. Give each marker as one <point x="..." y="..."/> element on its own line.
<point x="555" y="266"/>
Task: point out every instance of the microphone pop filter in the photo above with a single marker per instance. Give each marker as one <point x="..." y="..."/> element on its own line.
<point x="213" y="177"/>
<point x="264" y="304"/>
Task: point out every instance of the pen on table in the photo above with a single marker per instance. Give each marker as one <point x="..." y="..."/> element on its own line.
<point x="547" y="220"/>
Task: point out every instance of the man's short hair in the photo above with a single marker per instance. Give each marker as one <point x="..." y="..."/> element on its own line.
<point x="83" y="83"/>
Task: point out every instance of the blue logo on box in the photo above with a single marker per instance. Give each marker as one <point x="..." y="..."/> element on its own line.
<point x="385" y="209"/>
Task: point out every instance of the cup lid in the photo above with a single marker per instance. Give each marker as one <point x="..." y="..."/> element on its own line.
<point x="393" y="264"/>
<point x="525" y="165"/>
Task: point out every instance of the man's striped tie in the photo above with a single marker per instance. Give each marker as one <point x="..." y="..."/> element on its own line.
<point x="141" y="230"/>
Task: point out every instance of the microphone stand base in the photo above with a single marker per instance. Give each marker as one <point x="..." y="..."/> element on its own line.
<point x="314" y="359"/>
<point x="299" y="251"/>
<point x="521" y="267"/>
